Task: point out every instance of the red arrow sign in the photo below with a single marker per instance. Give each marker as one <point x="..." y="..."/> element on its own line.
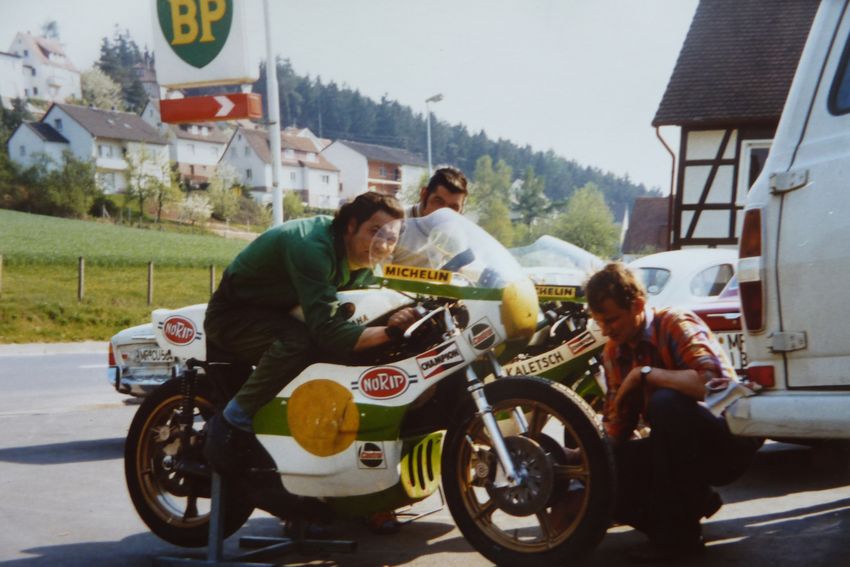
<point x="210" y="108"/>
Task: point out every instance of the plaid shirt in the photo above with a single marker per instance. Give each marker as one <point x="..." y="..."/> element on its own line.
<point x="671" y="339"/>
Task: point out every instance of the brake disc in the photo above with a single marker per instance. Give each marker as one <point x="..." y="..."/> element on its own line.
<point x="534" y="468"/>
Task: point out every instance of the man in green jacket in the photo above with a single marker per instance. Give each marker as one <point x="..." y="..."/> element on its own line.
<point x="302" y="263"/>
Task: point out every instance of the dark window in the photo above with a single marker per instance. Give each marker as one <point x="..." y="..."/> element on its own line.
<point x="757" y="158"/>
<point x="839" y="96"/>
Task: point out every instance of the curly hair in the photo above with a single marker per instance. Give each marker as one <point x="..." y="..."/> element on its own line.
<point x="614" y="281"/>
<point x="363" y="207"/>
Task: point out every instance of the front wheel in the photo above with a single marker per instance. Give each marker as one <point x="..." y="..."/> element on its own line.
<point x="167" y="476"/>
<point x="561" y="507"/>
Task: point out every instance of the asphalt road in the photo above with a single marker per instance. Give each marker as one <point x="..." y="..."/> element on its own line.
<point x="63" y="500"/>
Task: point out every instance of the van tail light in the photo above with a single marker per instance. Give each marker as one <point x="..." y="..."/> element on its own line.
<point x="761" y="375"/>
<point x="111" y="356"/>
<point x="751" y="271"/>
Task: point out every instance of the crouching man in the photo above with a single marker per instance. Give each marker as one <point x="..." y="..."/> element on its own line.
<point x="659" y="364"/>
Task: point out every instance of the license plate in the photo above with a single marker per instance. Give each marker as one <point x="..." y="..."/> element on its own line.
<point x="154" y="355"/>
<point x="733" y="344"/>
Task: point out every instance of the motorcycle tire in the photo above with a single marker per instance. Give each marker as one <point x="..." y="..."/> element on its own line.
<point x="174" y="504"/>
<point x="563" y="508"/>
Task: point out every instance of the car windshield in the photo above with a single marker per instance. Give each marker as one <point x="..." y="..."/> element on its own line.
<point x="551" y="252"/>
<point x="444" y="248"/>
<point x="654" y="279"/>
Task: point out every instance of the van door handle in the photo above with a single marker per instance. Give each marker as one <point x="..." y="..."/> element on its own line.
<point x="786" y="181"/>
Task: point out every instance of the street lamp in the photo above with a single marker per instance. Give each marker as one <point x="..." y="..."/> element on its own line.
<point x="436" y="98"/>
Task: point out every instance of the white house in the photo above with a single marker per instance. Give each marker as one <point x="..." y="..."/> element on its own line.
<point x="195" y="148"/>
<point x="11" y="78"/>
<point x="303" y="169"/>
<point x="47" y="72"/>
<point x="110" y="139"/>
<point x="370" y="167"/>
<point x="31" y="142"/>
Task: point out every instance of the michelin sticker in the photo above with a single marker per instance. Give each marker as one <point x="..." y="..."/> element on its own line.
<point x="558" y="292"/>
<point x="411" y="273"/>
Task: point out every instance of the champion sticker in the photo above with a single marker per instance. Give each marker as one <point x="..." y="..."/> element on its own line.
<point x="179" y="330"/>
<point x="371" y="456"/>
<point x="481" y="335"/>
<point x="382" y="383"/>
<point x="581" y="342"/>
<point x="440" y="359"/>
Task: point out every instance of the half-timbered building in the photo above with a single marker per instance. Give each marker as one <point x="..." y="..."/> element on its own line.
<point x="726" y="94"/>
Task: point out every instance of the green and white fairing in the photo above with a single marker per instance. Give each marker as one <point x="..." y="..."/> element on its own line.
<point x="334" y="431"/>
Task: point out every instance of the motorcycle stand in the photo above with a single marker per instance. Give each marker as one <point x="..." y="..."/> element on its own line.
<point x="264" y="547"/>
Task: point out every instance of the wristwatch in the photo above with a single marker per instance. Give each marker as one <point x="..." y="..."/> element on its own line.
<point x="644" y="374"/>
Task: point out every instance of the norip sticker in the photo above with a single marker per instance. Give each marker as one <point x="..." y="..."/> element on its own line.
<point x="412" y="273"/>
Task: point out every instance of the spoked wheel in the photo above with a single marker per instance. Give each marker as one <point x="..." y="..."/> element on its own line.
<point x="167" y="476"/>
<point x="561" y="507"/>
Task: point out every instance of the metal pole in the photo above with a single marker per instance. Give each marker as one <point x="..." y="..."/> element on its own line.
<point x="81" y="278"/>
<point x="150" y="283"/>
<point x="436" y="98"/>
<point x="273" y="101"/>
<point x="428" y="129"/>
<point x="212" y="279"/>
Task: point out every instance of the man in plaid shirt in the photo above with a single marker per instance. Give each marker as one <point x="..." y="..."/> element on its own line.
<point x="659" y="364"/>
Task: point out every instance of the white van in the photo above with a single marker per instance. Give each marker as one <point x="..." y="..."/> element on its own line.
<point x="794" y="257"/>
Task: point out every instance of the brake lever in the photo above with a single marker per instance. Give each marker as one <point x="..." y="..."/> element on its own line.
<point x="415" y="326"/>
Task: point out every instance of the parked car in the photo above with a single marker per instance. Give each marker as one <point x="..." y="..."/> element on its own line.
<point x="702" y="280"/>
<point x="552" y="261"/>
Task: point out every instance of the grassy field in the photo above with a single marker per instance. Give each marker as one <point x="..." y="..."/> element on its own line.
<point x="38" y="298"/>
<point x="36" y="239"/>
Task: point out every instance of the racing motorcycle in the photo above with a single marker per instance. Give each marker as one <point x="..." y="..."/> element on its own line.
<point x="435" y="407"/>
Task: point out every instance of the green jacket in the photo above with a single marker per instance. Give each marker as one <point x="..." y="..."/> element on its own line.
<point x="299" y="263"/>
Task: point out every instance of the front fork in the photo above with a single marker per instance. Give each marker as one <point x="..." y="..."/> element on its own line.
<point x="485" y="411"/>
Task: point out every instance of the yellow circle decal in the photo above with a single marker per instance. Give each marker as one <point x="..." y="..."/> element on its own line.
<point x="323" y="417"/>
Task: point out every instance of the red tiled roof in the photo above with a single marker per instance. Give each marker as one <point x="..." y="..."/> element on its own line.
<point x="737" y="62"/>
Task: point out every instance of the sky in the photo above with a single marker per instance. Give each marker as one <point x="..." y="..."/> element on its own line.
<point x="580" y="77"/>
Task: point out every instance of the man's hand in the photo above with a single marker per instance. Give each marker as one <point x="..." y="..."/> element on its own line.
<point x="628" y="389"/>
<point x="403" y="319"/>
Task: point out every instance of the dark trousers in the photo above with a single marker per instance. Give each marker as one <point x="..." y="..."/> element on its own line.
<point x="664" y="480"/>
<point x="277" y="344"/>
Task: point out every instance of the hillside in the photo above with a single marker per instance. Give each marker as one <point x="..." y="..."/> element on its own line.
<point x="341" y="113"/>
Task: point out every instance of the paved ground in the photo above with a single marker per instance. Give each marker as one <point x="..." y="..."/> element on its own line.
<point x="63" y="499"/>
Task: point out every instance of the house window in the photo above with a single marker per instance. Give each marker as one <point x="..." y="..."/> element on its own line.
<point x="292" y="176"/>
<point x="326" y="179"/>
<point x="249" y="174"/>
<point x="26" y="92"/>
<point x="383" y="171"/>
<point x="23" y="150"/>
<point x="26" y="52"/>
<point x="57" y="123"/>
<point x="34" y="91"/>
<point x="32" y="71"/>
<point x="247" y="150"/>
<point x="753" y="156"/>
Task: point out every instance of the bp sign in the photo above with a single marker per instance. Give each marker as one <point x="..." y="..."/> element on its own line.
<point x="202" y="42"/>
